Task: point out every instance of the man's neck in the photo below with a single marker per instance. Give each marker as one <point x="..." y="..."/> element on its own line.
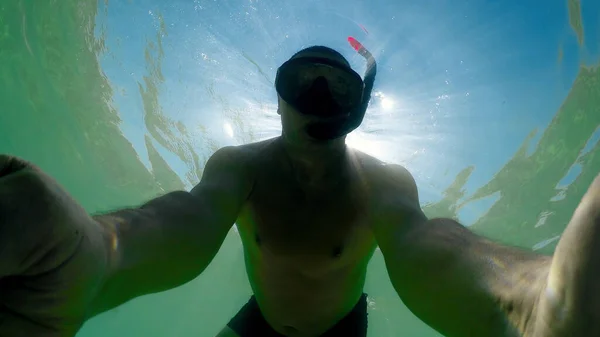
<point x="315" y="160"/>
<point x="319" y="152"/>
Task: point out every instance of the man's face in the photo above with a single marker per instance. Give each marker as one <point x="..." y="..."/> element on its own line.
<point x="293" y="122"/>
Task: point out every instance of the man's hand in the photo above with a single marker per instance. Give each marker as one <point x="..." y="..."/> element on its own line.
<point x="569" y="305"/>
<point x="53" y="256"/>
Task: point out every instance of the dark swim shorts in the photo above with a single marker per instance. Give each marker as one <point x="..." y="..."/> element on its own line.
<point x="249" y="322"/>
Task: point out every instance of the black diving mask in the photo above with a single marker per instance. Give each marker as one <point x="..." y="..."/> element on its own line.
<point x="327" y="89"/>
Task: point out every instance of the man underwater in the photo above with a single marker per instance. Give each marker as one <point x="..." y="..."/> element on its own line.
<point x="310" y="213"/>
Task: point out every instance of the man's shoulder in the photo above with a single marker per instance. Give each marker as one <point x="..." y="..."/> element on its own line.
<point x="237" y="163"/>
<point x="390" y="185"/>
<point x="380" y="171"/>
<point x="256" y="148"/>
<point x="241" y="155"/>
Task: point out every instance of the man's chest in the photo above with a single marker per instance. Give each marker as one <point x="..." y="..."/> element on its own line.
<point x="286" y="218"/>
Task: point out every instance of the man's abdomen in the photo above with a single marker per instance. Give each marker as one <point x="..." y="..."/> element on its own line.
<point x="292" y="298"/>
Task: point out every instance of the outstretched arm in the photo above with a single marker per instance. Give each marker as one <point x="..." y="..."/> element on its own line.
<point x="462" y="284"/>
<point x="172" y="239"/>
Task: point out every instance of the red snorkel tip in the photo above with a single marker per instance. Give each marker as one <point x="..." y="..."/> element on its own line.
<point x="354" y="43"/>
<point x="361" y="49"/>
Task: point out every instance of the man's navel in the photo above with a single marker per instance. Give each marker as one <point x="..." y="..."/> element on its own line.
<point x="337" y="251"/>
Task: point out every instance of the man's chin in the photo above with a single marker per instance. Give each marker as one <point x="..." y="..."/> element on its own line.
<point x="325" y="131"/>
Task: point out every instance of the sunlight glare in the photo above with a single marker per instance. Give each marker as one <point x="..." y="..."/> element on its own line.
<point x="386" y="102"/>
<point x="228" y="129"/>
<point x="360" y="142"/>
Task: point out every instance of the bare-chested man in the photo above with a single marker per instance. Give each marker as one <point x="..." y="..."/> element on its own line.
<point x="310" y="213"/>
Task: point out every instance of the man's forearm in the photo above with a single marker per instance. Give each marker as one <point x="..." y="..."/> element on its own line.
<point x="143" y="255"/>
<point x="460" y="283"/>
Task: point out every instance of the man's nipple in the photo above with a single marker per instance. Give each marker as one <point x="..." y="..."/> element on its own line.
<point x="337" y="251"/>
<point x="257" y="239"/>
<point x="289" y="330"/>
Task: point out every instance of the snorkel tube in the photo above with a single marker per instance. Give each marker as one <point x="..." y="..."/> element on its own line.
<point x="369" y="81"/>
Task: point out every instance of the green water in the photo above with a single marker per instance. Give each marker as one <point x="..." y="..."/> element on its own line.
<point x="56" y="110"/>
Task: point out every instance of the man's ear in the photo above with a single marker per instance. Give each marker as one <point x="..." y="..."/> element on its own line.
<point x="279" y="100"/>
